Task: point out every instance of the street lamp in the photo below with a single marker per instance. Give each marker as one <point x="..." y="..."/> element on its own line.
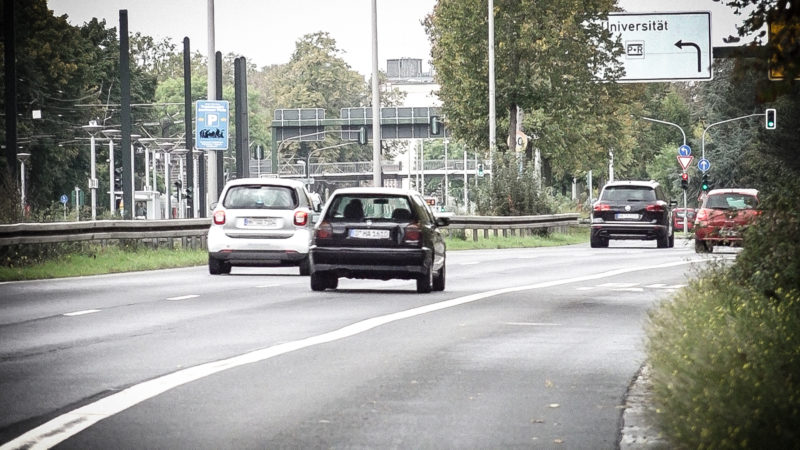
<point x="22" y="158"/>
<point x="92" y="129"/>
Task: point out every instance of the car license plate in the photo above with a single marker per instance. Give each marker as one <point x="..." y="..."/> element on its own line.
<point x="728" y="233"/>
<point x="627" y="216"/>
<point x="369" y="234"/>
<point x="259" y="222"/>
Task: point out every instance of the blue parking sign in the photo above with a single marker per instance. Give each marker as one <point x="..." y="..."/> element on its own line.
<point x="212" y="124"/>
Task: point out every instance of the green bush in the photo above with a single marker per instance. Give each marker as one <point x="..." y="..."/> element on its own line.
<point x="726" y="365"/>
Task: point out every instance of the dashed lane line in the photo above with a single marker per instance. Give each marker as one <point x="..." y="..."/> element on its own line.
<point x="183" y="297"/>
<point x="82" y="313"/>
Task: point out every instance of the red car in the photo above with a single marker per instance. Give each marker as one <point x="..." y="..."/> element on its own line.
<point x="677" y="218"/>
<point x="723" y="217"/>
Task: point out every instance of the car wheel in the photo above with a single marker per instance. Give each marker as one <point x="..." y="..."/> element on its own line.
<point x="225" y="267"/>
<point x="214" y="265"/>
<point x="305" y="266"/>
<point x="333" y="282"/>
<point x="597" y="241"/>
<point x="320" y="281"/>
<point x="663" y="240"/>
<point x="439" y="279"/>
<point x="425" y="281"/>
<point x="701" y="246"/>
<point x="672" y="240"/>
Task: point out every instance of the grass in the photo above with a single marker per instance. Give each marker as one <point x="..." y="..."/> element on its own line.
<point x="112" y="259"/>
<point x="104" y="260"/>
<point x="574" y="236"/>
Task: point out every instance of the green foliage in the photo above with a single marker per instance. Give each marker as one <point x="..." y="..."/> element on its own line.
<point x="547" y="59"/>
<point x="513" y="191"/>
<point x="725" y="362"/>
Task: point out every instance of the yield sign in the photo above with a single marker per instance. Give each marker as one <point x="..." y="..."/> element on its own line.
<point x="684" y="161"/>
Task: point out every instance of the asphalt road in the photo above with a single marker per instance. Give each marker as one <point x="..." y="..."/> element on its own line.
<point x="530" y="348"/>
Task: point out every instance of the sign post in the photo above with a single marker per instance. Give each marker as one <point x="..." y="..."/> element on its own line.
<point x="663" y="46"/>
<point x="212" y="124"/>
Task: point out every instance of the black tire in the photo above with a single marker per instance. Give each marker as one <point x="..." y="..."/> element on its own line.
<point x="320" y="281"/>
<point x="701" y="246"/>
<point x="439" y="279"/>
<point x="305" y="267"/>
<point x="226" y="268"/>
<point x="215" y="266"/>
<point x="597" y="241"/>
<point x="663" y="240"/>
<point x="425" y="281"/>
<point x="672" y="239"/>
<point x="333" y="282"/>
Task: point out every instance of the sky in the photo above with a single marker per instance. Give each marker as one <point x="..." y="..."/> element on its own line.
<point x="265" y="31"/>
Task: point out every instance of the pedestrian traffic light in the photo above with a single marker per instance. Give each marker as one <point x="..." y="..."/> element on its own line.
<point x="480" y="170"/>
<point x="705" y="184"/>
<point x="771" y="116"/>
<point x="684" y="181"/>
<point x="435" y="125"/>
<point x="189" y="195"/>
<point x="117" y="179"/>
<point x="362" y="135"/>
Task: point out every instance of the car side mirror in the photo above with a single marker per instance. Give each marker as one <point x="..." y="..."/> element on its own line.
<point x="442" y="221"/>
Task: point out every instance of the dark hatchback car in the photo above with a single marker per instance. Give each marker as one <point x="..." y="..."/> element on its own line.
<point x="632" y="210"/>
<point x="378" y="233"/>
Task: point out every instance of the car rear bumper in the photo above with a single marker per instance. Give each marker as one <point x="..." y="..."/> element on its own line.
<point x="404" y="263"/>
<point x="628" y="230"/>
<point x="219" y="241"/>
<point x="259" y="257"/>
<point x="719" y="236"/>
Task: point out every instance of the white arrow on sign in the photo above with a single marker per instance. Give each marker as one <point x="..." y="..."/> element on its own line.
<point x="684" y="161"/>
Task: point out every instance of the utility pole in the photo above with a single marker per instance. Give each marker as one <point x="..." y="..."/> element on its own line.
<point x="211" y="94"/>
<point x="376" y="102"/>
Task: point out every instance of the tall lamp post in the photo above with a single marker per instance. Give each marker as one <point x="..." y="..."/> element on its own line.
<point x="92" y="129"/>
<point x="22" y="158"/>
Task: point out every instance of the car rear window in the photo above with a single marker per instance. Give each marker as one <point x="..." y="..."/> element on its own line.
<point x="625" y="194"/>
<point x="363" y="207"/>
<point x="260" y="197"/>
<point x="731" y="201"/>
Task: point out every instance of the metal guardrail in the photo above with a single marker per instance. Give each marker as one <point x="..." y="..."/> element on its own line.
<point x="38" y="233"/>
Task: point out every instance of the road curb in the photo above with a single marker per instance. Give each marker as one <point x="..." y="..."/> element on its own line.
<point x="639" y="429"/>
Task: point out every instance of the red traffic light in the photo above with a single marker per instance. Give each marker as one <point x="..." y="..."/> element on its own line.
<point x="685" y="176"/>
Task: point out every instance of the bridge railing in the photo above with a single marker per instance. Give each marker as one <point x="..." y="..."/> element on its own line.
<point x="192" y="232"/>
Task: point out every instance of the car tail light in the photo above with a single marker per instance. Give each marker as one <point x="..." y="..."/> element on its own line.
<point x="300" y="218"/>
<point x="654" y="207"/>
<point x="412" y="234"/>
<point x="324" y="231"/>
<point x="602" y="207"/>
<point x="219" y="217"/>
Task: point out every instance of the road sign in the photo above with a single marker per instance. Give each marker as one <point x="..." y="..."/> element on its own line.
<point x="684" y="161"/>
<point x="64" y="199"/>
<point x="684" y="150"/>
<point x="663" y="46"/>
<point x="212" y="124"/>
<point x="703" y="165"/>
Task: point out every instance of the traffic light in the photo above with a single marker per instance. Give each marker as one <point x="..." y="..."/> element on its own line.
<point x="117" y="179"/>
<point x="189" y="195"/>
<point x="178" y="185"/>
<point x="705" y="185"/>
<point x="771" y="116"/>
<point x="362" y="135"/>
<point x="684" y="181"/>
<point x="435" y="125"/>
<point x="480" y="170"/>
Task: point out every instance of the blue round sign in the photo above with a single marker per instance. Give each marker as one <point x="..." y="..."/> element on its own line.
<point x="64" y="199"/>
<point x="703" y="165"/>
<point x="684" y="150"/>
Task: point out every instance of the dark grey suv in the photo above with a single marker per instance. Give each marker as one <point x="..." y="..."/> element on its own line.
<point x="632" y="210"/>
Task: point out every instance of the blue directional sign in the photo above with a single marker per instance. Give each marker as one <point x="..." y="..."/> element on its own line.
<point x="703" y="165"/>
<point x="212" y="124"/>
<point x="684" y="150"/>
<point x="64" y="199"/>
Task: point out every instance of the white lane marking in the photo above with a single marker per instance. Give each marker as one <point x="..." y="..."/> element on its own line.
<point x="630" y="289"/>
<point x="267" y="285"/>
<point x="656" y="286"/>
<point x="532" y="324"/>
<point x="71" y="423"/>
<point x="81" y="313"/>
<point x="585" y="288"/>
<point x="470" y="263"/>
<point x="618" y="285"/>
<point x="183" y="297"/>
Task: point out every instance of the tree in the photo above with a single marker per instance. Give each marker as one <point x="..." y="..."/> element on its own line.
<point x="547" y="64"/>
